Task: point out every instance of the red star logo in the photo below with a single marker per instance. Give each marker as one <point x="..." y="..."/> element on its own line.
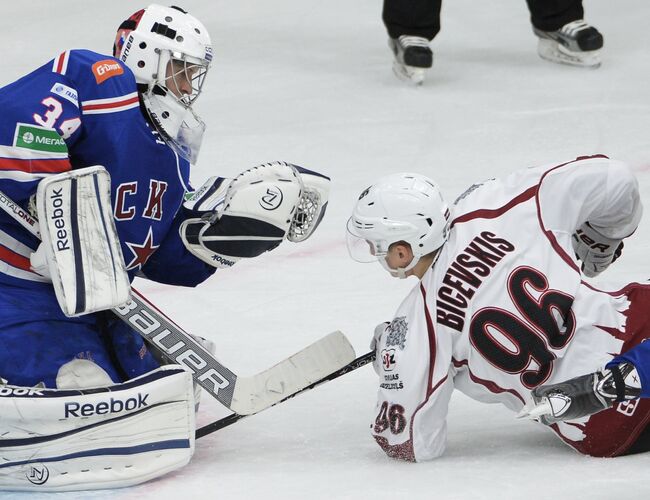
<point x="141" y="252"/>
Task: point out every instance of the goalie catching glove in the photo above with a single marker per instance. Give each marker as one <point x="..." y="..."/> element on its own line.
<point x="252" y="214"/>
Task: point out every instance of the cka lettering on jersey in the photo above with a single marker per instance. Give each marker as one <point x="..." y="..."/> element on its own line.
<point x="464" y="276"/>
<point x="154" y="208"/>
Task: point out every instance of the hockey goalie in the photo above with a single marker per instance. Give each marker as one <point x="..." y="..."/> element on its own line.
<point x="97" y="149"/>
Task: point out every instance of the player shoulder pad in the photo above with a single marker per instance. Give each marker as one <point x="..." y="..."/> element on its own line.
<point x="99" y="79"/>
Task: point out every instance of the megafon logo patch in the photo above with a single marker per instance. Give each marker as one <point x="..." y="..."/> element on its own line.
<point x="103" y="70"/>
<point x="38" y="139"/>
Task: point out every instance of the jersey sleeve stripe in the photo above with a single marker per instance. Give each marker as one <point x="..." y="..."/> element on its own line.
<point x="109" y="100"/>
<point x="18" y="273"/>
<point x="496" y="212"/>
<point x="432" y="340"/>
<point x="111" y="104"/>
<point x="45" y="166"/>
<point x="29" y="154"/>
<point x="14" y="245"/>
<point x="60" y="64"/>
<point x="14" y="259"/>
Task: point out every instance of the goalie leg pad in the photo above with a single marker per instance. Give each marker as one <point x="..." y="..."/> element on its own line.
<point x="107" y="437"/>
<point x="80" y="242"/>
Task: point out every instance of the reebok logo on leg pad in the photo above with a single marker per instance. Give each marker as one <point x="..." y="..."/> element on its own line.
<point x="75" y="409"/>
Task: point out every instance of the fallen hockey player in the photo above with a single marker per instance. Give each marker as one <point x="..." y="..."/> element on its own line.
<point x="501" y="307"/>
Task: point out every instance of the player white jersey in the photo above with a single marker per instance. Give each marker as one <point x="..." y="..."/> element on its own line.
<point x="504" y="309"/>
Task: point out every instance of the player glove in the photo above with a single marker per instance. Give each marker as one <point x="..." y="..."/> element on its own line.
<point x="375" y="343"/>
<point x="595" y="251"/>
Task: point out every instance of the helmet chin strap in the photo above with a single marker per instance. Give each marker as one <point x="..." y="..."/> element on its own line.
<point x="400" y="272"/>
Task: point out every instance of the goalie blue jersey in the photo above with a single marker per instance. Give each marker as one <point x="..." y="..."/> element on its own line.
<point x="83" y="109"/>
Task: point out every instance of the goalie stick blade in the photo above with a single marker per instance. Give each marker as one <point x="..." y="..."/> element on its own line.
<point x="234" y="417"/>
<point x="323" y="357"/>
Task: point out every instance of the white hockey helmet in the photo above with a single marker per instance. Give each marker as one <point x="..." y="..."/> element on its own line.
<point x="169" y="52"/>
<point x="399" y="207"/>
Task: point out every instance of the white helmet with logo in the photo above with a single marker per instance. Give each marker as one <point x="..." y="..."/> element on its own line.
<point x="169" y="52"/>
<point x="399" y="207"/>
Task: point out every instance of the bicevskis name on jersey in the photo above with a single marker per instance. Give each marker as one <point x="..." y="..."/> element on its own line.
<point x="466" y="274"/>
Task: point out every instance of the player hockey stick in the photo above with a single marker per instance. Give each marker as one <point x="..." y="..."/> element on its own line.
<point x="243" y="395"/>
<point x="234" y="417"/>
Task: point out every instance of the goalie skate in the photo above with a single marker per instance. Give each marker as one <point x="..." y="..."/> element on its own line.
<point x="583" y="396"/>
<point x="412" y="57"/>
<point x="576" y="44"/>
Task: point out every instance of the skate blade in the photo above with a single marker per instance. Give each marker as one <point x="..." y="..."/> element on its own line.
<point x="534" y="410"/>
<point x="409" y="73"/>
<point x="550" y="50"/>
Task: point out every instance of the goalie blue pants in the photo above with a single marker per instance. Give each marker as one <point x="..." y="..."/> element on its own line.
<point x="639" y="356"/>
<point x="36" y="339"/>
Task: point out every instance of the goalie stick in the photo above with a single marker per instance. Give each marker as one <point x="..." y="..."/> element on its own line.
<point x="234" y="417"/>
<point x="242" y="395"/>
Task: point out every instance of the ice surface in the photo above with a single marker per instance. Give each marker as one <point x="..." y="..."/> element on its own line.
<point x="310" y="82"/>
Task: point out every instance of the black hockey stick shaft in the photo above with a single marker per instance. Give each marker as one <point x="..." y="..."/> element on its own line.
<point x="234" y="417"/>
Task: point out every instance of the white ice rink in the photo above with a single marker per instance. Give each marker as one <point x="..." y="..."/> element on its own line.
<point x="310" y="81"/>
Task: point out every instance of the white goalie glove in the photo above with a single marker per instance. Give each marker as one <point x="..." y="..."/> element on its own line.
<point x="595" y="251"/>
<point x="253" y="213"/>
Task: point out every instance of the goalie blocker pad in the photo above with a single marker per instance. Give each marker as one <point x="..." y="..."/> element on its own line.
<point x="106" y="437"/>
<point x="82" y="248"/>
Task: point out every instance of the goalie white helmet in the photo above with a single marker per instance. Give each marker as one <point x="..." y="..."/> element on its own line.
<point x="169" y="52"/>
<point x="400" y="207"/>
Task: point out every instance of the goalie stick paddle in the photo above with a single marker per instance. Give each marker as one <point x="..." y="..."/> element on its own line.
<point x="243" y="395"/>
<point x="235" y="417"/>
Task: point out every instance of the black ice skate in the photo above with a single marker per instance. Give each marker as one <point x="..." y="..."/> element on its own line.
<point x="412" y="57"/>
<point x="584" y="395"/>
<point x="576" y="43"/>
